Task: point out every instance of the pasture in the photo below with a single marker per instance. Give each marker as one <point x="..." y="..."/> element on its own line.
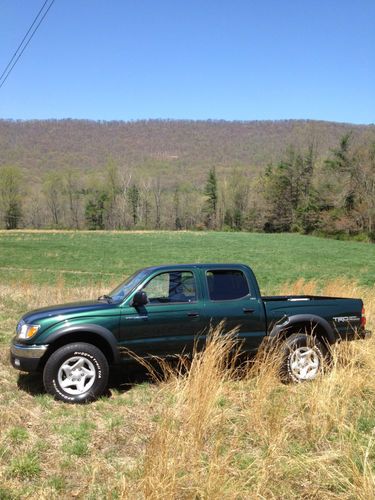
<point x="104" y="258"/>
<point x="206" y="434"/>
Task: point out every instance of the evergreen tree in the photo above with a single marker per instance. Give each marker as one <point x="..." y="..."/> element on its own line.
<point x="95" y="210"/>
<point x="134" y="199"/>
<point x="344" y="163"/>
<point x="288" y="191"/>
<point x="176" y="203"/>
<point x="211" y="193"/>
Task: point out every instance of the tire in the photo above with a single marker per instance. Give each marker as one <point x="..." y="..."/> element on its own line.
<point x="304" y="358"/>
<point x="76" y="373"/>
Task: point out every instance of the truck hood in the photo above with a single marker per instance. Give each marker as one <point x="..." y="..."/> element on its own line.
<point x="63" y="311"/>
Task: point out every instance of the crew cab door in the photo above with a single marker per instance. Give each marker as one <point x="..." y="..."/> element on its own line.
<point x="168" y="323"/>
<point x="230" y="296"/>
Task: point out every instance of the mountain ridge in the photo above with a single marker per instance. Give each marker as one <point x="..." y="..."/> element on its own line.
<point x="164" y="146"/>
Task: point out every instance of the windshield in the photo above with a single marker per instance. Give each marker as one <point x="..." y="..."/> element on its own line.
<point x="120" y="292"/>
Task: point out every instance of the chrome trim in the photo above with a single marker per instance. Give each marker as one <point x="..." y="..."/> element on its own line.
<point x="19" y="326"/>
<point x="28" y="351"/>
<point x="136" y="317"/>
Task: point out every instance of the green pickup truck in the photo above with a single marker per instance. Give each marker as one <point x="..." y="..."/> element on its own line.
<point x="162" y="311"/>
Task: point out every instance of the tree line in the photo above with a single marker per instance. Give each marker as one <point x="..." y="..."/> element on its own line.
<point x="302" y="192"/>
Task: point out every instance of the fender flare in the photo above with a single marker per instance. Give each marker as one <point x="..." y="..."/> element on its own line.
<point x="98" y="330"/>
<point x="288" y="321"/>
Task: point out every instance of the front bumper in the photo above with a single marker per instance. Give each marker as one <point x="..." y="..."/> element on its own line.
<point x="27" y="357"/>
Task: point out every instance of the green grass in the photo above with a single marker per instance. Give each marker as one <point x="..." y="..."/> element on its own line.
<point x="77" y="438"/>
<point x="26" y="466"/>
<point x="18" y="434"/>
<point x="105" y="258"/>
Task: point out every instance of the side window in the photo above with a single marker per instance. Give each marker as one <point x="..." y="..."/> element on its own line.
<point x="173" y="286"/>
<point x="227" y="284"/>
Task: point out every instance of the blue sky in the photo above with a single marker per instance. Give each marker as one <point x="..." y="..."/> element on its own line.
<point x="193" y="59"/>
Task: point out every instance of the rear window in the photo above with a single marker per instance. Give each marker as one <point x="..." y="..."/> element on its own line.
<point x="227" y="284"/>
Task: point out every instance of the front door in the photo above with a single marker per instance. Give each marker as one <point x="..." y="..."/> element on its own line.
<point x="168" y="323"/>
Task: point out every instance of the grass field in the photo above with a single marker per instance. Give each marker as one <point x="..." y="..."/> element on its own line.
<point x="208" y="434"/>
<point x="104" y="258"/>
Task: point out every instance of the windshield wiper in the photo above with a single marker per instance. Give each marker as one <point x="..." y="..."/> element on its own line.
<point x="108" y="298"/>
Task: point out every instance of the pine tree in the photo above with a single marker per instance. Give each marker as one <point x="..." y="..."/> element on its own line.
<point x="134" y="199"/>
<point x="211" y="203"/>
<point x="95" y="210"/>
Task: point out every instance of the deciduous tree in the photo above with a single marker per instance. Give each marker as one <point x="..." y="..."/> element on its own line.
<point x="52" y="190"/>
<point x="10" y="196"/>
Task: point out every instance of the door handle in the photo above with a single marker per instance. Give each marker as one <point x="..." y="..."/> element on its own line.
<point x="193" y="314"/>
<point x="247" y="310"/>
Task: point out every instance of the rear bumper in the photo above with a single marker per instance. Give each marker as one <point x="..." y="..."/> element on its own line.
<point x="367" y="334"/>
<point x="358" y="335"/>
<point x="27" y="357"/>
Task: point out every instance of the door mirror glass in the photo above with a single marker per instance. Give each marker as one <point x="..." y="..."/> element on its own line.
<point x="140" y="299"/>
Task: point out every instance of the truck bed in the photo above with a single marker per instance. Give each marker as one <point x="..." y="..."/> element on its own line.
<point x="343" y="315"/>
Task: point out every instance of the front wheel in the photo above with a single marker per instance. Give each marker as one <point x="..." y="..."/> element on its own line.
<point x="76" y="373"/>
<point x="304" y="358"/>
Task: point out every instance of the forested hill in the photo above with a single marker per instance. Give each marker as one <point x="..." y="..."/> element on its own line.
<point x="166" y="145"/>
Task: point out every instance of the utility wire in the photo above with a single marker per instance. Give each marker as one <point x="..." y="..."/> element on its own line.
<point x="23" y="39"/>
<point x="7" y="72"/>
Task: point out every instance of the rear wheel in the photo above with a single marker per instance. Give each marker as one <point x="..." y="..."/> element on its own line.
<point x="76" y="373"/>
<point x="304" y="358"/>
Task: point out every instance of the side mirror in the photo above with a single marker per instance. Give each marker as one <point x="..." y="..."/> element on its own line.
<point x="140" y="299"/>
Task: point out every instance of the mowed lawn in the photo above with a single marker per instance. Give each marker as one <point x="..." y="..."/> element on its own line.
<point x="105" y="258"/>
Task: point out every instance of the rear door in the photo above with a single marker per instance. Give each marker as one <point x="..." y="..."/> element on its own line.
<point x="230" y="296"/>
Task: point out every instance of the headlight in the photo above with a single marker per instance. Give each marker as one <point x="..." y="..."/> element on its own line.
<point x="25" y="331"/>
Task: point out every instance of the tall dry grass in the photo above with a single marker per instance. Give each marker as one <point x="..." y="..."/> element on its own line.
<point x="178" y="458"/>
<point x="224" y="437"/>
<point x="210" y="431"/>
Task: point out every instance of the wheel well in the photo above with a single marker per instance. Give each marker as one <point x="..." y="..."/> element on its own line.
<point x="73" y="337"/>
<point x="313" y="328"/>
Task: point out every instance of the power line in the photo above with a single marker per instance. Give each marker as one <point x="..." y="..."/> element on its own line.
<point x="23" y="39"/>
<point x="28" y="41"/>
<point x="7" y="72"/>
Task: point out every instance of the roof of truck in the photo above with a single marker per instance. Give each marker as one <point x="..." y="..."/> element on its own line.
<point x="209" y="265"/>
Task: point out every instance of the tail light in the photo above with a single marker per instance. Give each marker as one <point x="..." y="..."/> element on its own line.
<point x="363" y="318"/>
